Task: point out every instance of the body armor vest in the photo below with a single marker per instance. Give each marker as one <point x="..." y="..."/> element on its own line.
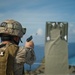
<point x="7" y="55"/>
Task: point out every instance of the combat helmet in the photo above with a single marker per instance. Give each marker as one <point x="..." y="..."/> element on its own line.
<point x="12" y="27"/>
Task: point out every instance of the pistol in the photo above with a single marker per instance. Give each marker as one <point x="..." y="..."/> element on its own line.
<point x="29" y="38"/>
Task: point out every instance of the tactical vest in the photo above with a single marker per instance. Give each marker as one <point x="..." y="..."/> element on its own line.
<point x="7" y="55"/>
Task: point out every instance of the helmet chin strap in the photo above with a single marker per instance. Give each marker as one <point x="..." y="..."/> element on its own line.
<point x="21" y="41"/>
<point x="16" y="42"/>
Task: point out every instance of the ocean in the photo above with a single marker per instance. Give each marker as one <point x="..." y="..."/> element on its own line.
<point x="71" y="53"/>
<point x="40" y="53"/>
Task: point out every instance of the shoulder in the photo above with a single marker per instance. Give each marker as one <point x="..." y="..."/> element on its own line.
<point x="21" y="50"/>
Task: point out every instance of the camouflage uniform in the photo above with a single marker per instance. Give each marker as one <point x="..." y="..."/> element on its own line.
<point x="24" y="55"/>
<point x="21" y="55"/>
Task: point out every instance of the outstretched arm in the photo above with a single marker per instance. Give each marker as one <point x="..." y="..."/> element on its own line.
<point x="30" y="55"/>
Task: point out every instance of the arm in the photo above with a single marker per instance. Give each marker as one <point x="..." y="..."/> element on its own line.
<point x="26" y="54"/>
<point x="30" y="55"/>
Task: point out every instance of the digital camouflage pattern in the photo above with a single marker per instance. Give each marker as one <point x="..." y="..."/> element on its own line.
<point x="12" y="58"/>
<point x="24" y="55"/>
<point x="12" y="27"/>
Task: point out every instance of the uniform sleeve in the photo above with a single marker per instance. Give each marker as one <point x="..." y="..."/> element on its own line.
<point x="30" y="56"/>
<point x="20" y="55"/>
<point x="25" y="55"/>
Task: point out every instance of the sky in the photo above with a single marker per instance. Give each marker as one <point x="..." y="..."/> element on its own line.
<point x="33" y="14"/>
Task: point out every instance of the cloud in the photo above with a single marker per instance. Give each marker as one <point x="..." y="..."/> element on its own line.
<point x="39" y="31"/>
